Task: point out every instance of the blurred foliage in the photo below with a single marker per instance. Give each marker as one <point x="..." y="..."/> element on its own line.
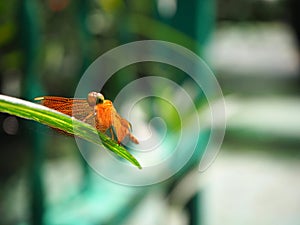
<point x="106" y="24"/>
<point x="67" y="50"/>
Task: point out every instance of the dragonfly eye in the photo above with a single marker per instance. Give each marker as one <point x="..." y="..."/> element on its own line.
<point x="100" y="99"/>
<point x="95" y="98"/>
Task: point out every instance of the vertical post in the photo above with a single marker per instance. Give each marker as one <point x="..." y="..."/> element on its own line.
<point x="194" y="208"/>
<point x="31" y="43"/>
<point x="84" y="41"/>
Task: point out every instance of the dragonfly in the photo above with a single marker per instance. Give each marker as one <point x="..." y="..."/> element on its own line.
<point x="94" y="110"/>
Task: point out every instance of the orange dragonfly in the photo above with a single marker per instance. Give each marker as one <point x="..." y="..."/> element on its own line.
<point x="95" y="110"/>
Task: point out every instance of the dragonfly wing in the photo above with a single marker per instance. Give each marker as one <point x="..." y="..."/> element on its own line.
<point x="122" y="128"/>
<point x="78" y="108"/>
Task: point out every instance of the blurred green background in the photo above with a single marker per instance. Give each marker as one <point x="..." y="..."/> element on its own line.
<point x="251" y="45"/>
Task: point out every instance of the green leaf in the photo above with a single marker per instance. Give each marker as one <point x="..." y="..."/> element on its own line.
<point x="55" y="119"/>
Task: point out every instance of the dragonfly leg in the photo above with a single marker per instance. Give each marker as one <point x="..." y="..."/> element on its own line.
<point x="113" y="135"/>
<point x="88" y="116"/>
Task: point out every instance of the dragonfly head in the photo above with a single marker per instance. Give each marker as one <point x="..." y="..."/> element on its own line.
<point x="95" y="98"/>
